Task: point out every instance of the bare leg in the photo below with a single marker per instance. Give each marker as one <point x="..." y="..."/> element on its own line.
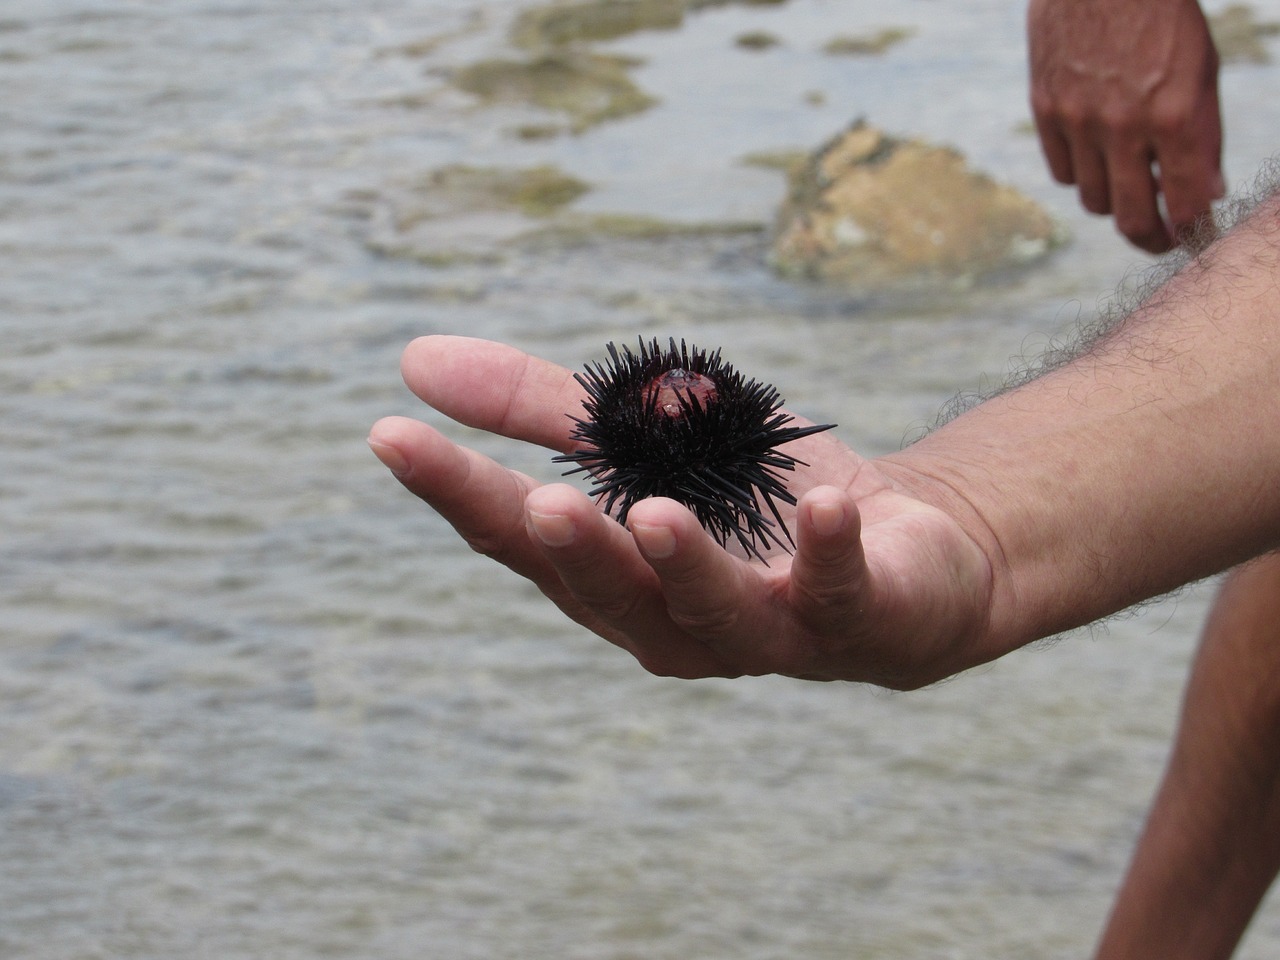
<point x="1211" y="846"/>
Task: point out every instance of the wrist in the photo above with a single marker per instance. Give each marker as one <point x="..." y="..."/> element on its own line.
<point x="941" y="483"/>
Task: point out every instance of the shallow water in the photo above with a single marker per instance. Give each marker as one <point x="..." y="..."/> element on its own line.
<point x="255" y="701"/>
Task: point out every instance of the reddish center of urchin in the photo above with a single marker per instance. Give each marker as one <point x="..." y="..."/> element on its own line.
<point x="665" y="391"/>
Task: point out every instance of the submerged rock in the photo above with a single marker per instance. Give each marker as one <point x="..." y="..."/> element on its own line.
<point x="559" y="72"/>
<point x="1238" y="35"/>
<point x="533" y="191"/>
<point x="560" y="24"/>
<point x="460" y="215"/>
<point x="566" y="22"/>
<point x="756" y="40"/>
<point x="589" y="88"/>
<point x="871" y="211"/>
<point x="868" y="45"/>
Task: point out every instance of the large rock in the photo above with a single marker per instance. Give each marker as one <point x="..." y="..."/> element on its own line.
<point x="870" y="211"/>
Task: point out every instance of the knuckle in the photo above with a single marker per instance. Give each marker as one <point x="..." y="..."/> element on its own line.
<point x="823" y="594"/>
<point x="1078" y="117"/>
<point x="609" y="607"/>
<point x="1043" y="104"/>
<point x="683" y="581"/>
<point x="491" y="545"/>
<point x="611" y="600"/>
<point x="1171" y="121"/>
<point x="1121" y="121"/>
<point x="715" y="619"/>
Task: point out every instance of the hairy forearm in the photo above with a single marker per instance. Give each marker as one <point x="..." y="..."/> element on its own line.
<point x="1147" y="462"/>
<point x="1211" y="845"/>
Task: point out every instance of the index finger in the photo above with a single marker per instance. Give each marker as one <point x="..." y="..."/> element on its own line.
<point x="494" y="387"/>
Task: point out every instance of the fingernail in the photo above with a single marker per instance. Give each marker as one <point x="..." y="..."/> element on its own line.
<point x="391" y="458"/>
<point x="1218" y="187"/>
<point x="827" y="518"/>
<point x="552" y="529"/>
<point x="657" y="542"/>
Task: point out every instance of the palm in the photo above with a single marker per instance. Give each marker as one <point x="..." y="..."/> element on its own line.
<point x="864" y="607"/>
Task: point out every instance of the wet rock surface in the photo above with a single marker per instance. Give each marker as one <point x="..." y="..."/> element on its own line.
<point x="558" y="72"/>
<point x="534" y="191"/>
<point x="457" y="213"/>
<point x="560" y="24"/>
<point x="587" y="88"/>
<point x="869" y="44"/>
<point x="871" y="211"/>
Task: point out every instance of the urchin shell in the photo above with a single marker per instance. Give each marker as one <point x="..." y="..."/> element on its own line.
<point x="683" y="423"/>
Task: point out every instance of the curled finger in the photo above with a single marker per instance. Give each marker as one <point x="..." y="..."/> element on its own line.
<point x="597" y="562"/>
<point x="718" y="600"/>
<point x="829" y="576"/>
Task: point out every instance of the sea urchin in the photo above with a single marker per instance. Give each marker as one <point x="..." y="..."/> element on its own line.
<point x="684" y="424"/>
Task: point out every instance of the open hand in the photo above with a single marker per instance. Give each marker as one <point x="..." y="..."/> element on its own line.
<point x="882" y="587"/>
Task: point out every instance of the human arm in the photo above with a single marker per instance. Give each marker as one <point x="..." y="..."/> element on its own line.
<point x="1147" y="462"/>
<point x="1143" y="464"/>
<point x="1211" y="845"/>
<point x="1120" y="85"/>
